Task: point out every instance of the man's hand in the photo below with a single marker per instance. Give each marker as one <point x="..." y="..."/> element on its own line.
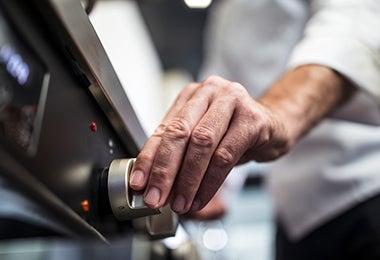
<point x="215" y="209"/>
<point x="216" y="124"/>
<point x="211" y="126"/>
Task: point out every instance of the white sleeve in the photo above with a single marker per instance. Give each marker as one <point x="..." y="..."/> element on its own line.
<point x="344" y="35"/>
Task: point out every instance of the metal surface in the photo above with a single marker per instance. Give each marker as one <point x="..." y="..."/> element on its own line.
<point x="84" y="122"/>
<point x="163" y="225"/>
<point x="67" y="220"/>
<point x="68" y="154"/>
<point x="91" y="60"/>
<point x="125" y="203"/>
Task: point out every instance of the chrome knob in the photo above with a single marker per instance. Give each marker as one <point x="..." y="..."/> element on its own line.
<point x="158" y="226"/>
<point x="125" y="203"/>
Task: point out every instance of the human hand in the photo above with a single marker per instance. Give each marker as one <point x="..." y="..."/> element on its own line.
<point x="215" y="209"/>
<point x="212" y="126"/>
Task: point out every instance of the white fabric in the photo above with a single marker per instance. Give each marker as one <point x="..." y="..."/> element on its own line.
<point x="337" y="164"/>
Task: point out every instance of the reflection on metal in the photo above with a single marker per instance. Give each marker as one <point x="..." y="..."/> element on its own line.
<point x="186" y="251"/>
<point x="198" y="3"/>
<point x="29" y="186"/>
<point x="125" y="203"/>
<point x="163" y="225"/>
<point x="158" y="226"/>
<point x="88" y="5"/>
<point x="93" y="65"/>
<point x="24" y="81"/>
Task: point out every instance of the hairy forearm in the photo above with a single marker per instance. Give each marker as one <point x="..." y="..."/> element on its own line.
<point x="304" y="96"/>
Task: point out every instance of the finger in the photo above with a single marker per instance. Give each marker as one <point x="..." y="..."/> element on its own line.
<point x="215" y="209"/>
<point x="174" y="141"/>
<point x="140" y="172"/>
<point x="226" y="155"/>
<point x="181" y="100"/>
<point x="203" y="142"/>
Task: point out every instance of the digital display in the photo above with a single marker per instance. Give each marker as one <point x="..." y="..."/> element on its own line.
<point x="22" y="78"/>
<point x="14" y="64"/>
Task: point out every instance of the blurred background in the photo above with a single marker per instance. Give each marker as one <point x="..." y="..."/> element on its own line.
<point x="156" y="47"/>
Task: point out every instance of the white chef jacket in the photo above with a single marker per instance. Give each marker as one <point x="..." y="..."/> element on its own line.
<point x="337" y="164"/>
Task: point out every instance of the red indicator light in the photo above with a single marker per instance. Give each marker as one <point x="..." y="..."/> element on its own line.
<point x="93" y="127"/>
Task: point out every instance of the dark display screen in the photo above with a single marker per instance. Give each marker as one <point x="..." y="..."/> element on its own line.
<point x="22" y="77"/>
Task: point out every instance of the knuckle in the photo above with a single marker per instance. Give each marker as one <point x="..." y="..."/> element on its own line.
<point x="236" y="90"/>
<point x="188" y="89"/>
<point x="189" y="182"/>
<point x="193" y="166"/>
<point x="160" y="175"/>
<point x="159" y="130"/>
<point x="178" y="129"/>
<point x="266" y="137"/>
<point x="212" y="80"/>
<point x="223" y="158"/>
<point x="144" y="157"/>
<point x="192" y="163"/>
<point x="191" y="86"/>
<point x="202" y="137"/>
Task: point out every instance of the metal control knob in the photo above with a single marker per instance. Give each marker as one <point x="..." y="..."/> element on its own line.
<point x="158" y="226"/>
<point x="125" y="203"/>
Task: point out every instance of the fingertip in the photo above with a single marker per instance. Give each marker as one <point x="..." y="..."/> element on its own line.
<point x="196" y="206"/>
<point x="152" y="197"/>
<point x="179" y="204"/>
<point x="136" y="180"/>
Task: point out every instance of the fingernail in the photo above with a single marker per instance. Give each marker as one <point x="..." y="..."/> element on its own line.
<point x="196" y="205"/>
<point x="152" y="197"/>
<point x="179" y="204"/>
<point x="136" y="179"/>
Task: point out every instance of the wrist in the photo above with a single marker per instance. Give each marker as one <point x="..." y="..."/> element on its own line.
<point x="305" y="95"/>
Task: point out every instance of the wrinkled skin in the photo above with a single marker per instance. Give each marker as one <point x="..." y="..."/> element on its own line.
<point x="215" y="125"/>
